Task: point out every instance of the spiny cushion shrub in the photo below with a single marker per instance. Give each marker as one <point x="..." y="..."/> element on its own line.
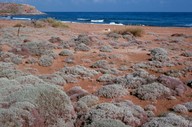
<point x="56" y="40"/>
<point x="45" y="61"/>
<point x="106" y="48"/>
<point x="16" y="59"/>
<point x="176" y="85"/>
<point x="38" y="48"/>
<point x="106" y="78"/>
<point x="112" y="91"/>
<point x="136" y="79"/>
<point x="76" y="92"/>
<point x="152" y="91"/>
<point x="83" y="38"/>
<point x="187" y="54"/>
<point x="79" y="71"/>
<point x="82" y="47"/>
<point x="66" y="52"/>
<point x="90" y="100"/>
<point x="107" y="123"/>
<point x="39" y="104"/>
<point x="159" y="54"/>
<point x="169" y="120"/>
<point x="179" y="108"/>
<point x="100" y="64"/>
<point x="85" y="103"/>
<point x="11" y="73"/>
<point x="29" y="79"/>
<point x="188" y="105"/>
<point x="127" y="112"/>
<point x="53" y="79"/>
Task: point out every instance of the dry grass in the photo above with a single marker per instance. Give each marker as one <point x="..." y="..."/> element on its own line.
<point x="46" y="22"/>
<point x="55" y="23"/>
<point x="18" y="25"/>
<point x="38" y="24"/>
<point x="137" y="32"/>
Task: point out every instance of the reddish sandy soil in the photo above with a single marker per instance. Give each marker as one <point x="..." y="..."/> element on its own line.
<point x="129" y="56"/>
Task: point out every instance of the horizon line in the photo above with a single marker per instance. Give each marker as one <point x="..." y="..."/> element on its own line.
<point x="120" y="11"/>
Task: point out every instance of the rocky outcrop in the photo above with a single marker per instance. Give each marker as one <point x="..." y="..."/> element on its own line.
<point x="14" y="9"/>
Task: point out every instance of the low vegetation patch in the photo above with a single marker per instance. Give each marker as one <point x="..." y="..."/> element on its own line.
<point x="137" y="32"/>
<point x="45" y="22"/>
<point x="55" y="23"/>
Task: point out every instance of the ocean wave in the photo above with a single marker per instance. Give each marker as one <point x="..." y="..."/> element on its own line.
<point x="98" y="21"/>
<point x="113" y="23"/>
<point x="5" y="17"/>
<point x="16" y="18"/>
<point x="82" y="19"/>
<point x="188" y="25"/>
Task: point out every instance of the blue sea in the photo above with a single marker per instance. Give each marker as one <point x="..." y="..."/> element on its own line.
<point x="163" y="19"/>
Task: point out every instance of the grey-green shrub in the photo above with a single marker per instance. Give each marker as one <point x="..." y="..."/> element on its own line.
<point x="112" y="91"/>
<point x="45" y="61"/>
<point x="152" y="91"/>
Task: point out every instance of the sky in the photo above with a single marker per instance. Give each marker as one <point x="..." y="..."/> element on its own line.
<point x="109" y="5"/>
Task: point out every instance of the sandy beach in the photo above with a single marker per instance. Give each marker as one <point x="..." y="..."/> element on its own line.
<point x="162" y="55"/>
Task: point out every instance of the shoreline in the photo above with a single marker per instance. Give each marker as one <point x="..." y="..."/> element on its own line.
<point x="80" y="23"/>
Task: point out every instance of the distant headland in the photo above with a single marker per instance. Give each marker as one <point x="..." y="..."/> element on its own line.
<point x="18" y="9"/>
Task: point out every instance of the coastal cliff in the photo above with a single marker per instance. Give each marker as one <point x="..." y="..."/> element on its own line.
<point x="16" y="9"/>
